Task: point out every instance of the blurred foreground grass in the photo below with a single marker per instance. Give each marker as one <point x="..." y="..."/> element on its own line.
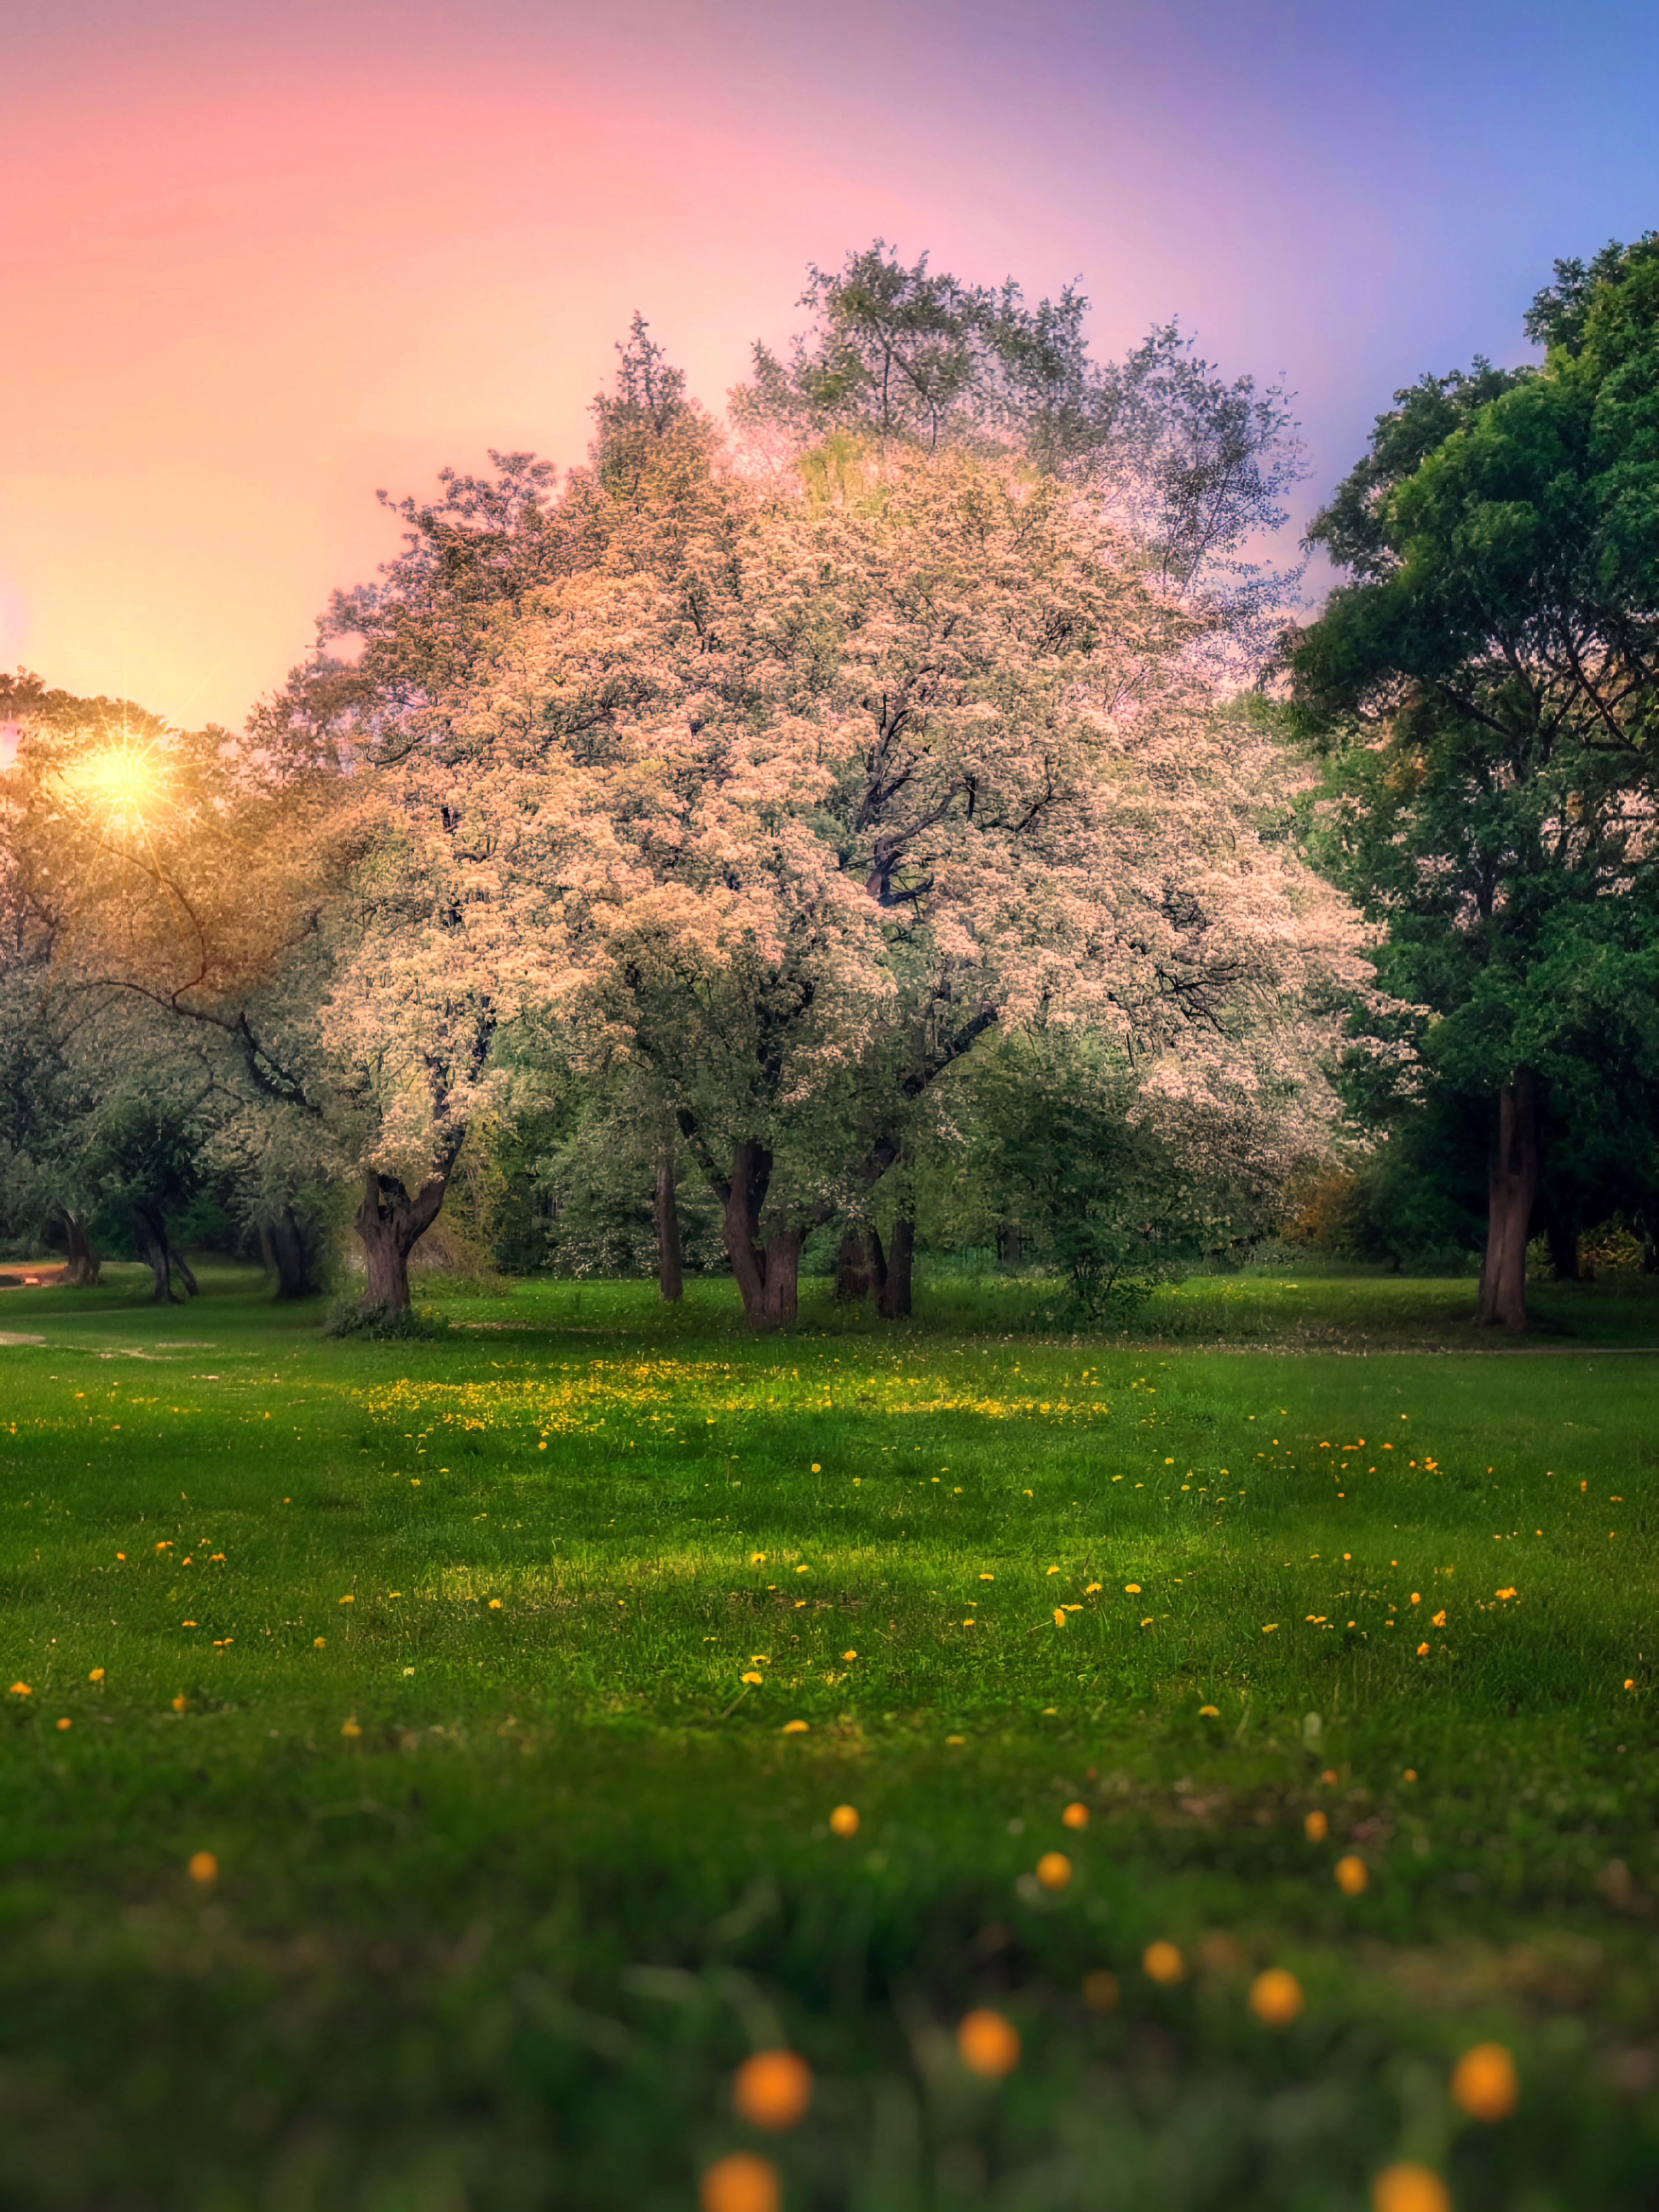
<point x="439" y="1649"/>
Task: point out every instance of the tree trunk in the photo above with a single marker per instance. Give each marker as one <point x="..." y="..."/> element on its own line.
<point x="287" y="1250"/>
<point x="860" y="1265"/>
<point x="1563" y="1234"/>
<point x="782" y="1276"/>
<point x="893" y="1300"/>
<point x="767" y="1272"/>
<point x="156" y="1248"/>
<point x="1008" y="1246"/>
<point x="670" y="1279"/>
<point x="391" y="1224"/>
<point x="1513" y="1187"/>
<point x="80" y="1262"/>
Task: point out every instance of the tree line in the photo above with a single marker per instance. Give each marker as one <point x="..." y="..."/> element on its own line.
<point x="907" y="807"/>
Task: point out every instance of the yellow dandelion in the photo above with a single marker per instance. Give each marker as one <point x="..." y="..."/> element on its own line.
<point x="204" y="1868"/>
<point x="1162" y="1962"/>
<point x="1276" y="1998"/>
<point x="1483" y="2083"/>
<point x="1209" y="1713"/>
<point x="752" y="1678"/>
<point x="350" y="1728"/>
<point x="988" y="2043"/>
<point x="741" y="2183"/>
<point x="1316" y="1827"/>
<point x="1352" y="1875"/>
<point x="773" y="2089"/>
<point x="1076" y="1816"/>
<point x="1409" y="2188"/>
<point x="844" y="1820"/>
<point x="1054" y="1869"/>
<point x="796" y="1727"/>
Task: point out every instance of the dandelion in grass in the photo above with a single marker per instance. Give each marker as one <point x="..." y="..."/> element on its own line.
<point x="796" y="1727"/>
<point x="1076" y="1816"/>
<point x="753" y="1678"/>
<point x="1209" y="1713"/>
<point x="741" y="2183"/>
<point x="1316" y="1827"/>
<point x="204" y="1869"/>
<point x="1352" y="1875"/>
<point x="987" y="2044"/>
<point x="21" y="1690"/>
<point x="1276" y="1998"/>
<point x="1054" y="1870"/>
<point x="1408" y="2188"/>
<point x="773" y="2089"/>
<point x="1483" y="2083"/>
<point x="844" y="1820"/>
<point x="1163" y="1963"/>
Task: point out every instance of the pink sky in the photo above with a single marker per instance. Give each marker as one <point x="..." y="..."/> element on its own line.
<point x="260" y="262"/>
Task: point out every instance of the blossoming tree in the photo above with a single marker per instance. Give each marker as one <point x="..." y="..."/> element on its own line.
<point x="792" y="797"/>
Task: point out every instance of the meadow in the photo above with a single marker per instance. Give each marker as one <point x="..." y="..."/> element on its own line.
<point x="425" y="1769"/>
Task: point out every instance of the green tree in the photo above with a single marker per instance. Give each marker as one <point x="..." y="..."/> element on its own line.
<point x="1486" y="689"/>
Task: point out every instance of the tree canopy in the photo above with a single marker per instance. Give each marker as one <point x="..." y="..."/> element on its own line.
<point x="1486" y="691"/>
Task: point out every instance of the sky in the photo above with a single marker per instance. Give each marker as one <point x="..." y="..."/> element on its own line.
<point x="261" y="260"/>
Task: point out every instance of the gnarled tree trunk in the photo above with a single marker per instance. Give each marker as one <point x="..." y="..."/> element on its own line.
<point x="288" y="1254"/>
<point x="893" y="1298"/>
<point x="391" y="1224"/>
<point x="80" y="1262"/>
<point x="156" y="1248"/>
<point x="765" y="1259"/>
<point x="669" y="1273"/>
<point x="1513" y="1190"/>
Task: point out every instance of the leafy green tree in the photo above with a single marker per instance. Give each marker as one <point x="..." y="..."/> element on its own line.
<point x="1486" y="689"/>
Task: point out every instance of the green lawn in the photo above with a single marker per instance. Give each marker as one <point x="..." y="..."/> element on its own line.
<point x="440" y="1648"/>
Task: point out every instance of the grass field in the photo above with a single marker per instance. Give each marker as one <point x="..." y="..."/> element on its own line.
<point x="478" y="1665"/>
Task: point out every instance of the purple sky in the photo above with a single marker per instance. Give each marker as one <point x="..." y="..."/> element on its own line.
<point x="262" y="260"/>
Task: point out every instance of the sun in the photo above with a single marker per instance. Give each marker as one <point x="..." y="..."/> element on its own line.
<point x="126" y="778"/>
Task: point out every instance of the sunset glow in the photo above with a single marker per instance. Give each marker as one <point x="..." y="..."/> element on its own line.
<point x="122" y="782"/>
